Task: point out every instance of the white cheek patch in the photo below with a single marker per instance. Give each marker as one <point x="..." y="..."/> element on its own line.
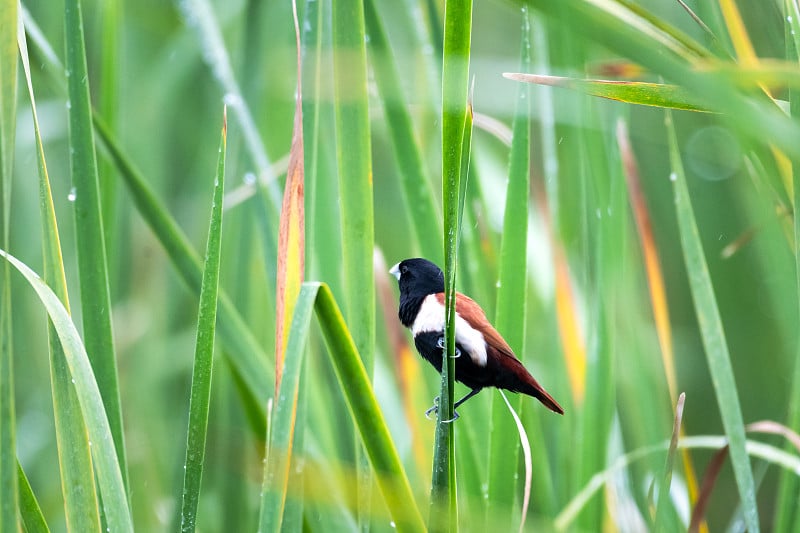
<point x="431" y="318"/>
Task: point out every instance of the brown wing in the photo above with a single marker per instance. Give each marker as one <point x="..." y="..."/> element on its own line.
<point x="514" y="377"/>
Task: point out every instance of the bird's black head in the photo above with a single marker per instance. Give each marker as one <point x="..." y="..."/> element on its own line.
<point x="418" y="277"/>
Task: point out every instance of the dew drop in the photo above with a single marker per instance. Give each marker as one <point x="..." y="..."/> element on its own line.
<point x="71" y="197"/>
<point x="673" y="177"/>
<point x="249" y="178"/>
<point x="392" y="525"/>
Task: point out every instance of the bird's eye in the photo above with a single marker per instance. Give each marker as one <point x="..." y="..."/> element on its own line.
<point x="403" y="269"/>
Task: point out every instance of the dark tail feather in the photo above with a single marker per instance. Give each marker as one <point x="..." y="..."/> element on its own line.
<point x="527" y="384"/>
<point x="542" y="395"/>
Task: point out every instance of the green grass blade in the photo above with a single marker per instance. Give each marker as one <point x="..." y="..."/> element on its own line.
<point x="75" y="462"/>
<point x="246" y="355"/>
<point x="354" y="161"/>
<point x="106" y="463"/>
<point x="767" y="452"/>
<point x="455" y="84"/>
<point x="360" y="397"/>
<point x="786" y="518"/>
<point x="284" y="415"/>
<point x="204" y="352"/>
<point x="90" y="238"/>
<point x="355" y="172"/>
<point x="630" y="92"/>
<point x="713" y="335"/>
<point x="108" y="104"/>
<point x="419" y="197"/>
<point x="29" y="509"/>
<point x="663" y="514"/>
<point x="614" y="26"/>
<point x="511" y="311"/>
<point x="8" y="121"/>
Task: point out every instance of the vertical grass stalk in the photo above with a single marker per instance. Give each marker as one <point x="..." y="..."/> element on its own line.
<point x="8" y="121"/>
<point x="713" y="335"/>
<point x="512" y="293"/>
<point x="786" y="517"/>
<point x="455" y="79"/>
<point x="354" y="161"/>
<point x="419" y="197"/>
<point x="75" y="463"/>
<point x="90" y="239"/>
<point x="204" y="352"/>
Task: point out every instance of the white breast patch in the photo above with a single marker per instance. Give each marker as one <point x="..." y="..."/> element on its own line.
<point x="431" y="318"/>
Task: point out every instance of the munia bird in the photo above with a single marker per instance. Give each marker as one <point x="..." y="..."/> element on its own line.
<point x="483" y="357"/>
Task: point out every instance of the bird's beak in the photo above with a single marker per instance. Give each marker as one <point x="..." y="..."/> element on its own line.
<point x="395" y="271"/>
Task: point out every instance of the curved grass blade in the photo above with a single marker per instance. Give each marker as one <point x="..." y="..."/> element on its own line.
<point x="512" y="292"/>
<point x="109" y="475"/>
<point x="29" y="510"/>
<point x="8" y="121"/>
<point x="90" y="238"/>
<point x="204" y="351"/>
<point x="419" y="197"/>
<point x="755" y="118"/>
<point x="769" y="453"/>
<point x="284" y="416"/>
<point x="75" y="461"/>
<point x="366" y="413"/>
<point x="630" y="92"/>
<point x="526" y="454"/>
<point x="713" y="335"/>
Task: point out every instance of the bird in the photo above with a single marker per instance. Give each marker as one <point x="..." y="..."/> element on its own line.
<point x="484" y="358"/>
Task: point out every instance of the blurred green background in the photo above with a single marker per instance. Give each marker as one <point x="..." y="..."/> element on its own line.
<point x="155" y="75"/>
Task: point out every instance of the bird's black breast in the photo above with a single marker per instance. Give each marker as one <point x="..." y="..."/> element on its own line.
<point x="409" y="307"/>
<point x="467" y="372"/>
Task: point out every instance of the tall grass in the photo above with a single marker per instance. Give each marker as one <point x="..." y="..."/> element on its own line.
<point x="531" y="211"/>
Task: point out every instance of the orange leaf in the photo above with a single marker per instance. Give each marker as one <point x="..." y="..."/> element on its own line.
<point x="291" y="237"/>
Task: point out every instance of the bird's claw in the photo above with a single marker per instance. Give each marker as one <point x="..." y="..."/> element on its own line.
<point x="441" y="345"/>
<point x="432" y="409"/>
<point x="435" y="409"/>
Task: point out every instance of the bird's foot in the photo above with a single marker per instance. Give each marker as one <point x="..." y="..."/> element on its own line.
<point x="442" y="346"/>
<point x="435" y="410"/>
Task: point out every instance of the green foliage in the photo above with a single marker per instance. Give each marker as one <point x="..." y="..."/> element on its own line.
<point x="529" y="214"/>
<point x="204" y="352"/>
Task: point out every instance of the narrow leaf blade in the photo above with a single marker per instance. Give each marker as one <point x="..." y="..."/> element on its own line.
<point x="204" y="352"/>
